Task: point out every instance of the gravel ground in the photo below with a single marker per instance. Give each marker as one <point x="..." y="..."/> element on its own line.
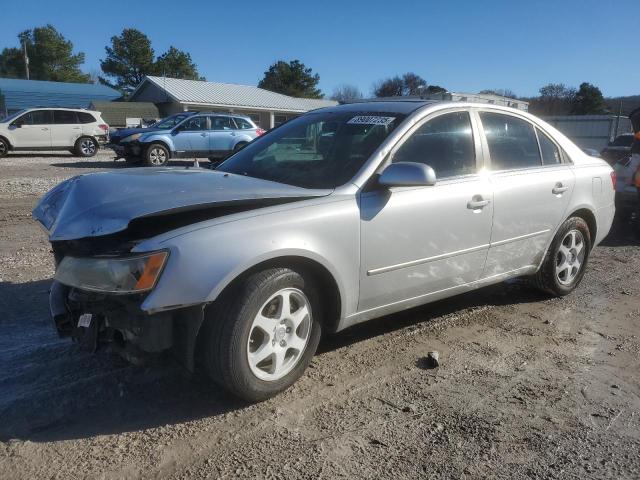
<point x="529" y="386"/>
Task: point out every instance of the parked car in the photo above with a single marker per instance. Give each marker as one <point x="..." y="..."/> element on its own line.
<point x="628" y="173"/>
<point x="339" y="216"/>
<point x="79" y="131"/>
<point x="116" y="136"/>
<point x="619" y="148"/>
<point x="213" y="135"/>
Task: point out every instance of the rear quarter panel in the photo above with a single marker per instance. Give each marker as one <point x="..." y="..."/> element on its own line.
<point x="594" y="191"/>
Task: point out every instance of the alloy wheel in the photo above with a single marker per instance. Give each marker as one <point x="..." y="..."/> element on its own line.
<point x="570" y="257"/>
<point x="88" y="147"/>
<point x="157" y="156"/>
<point x="279" y="334"/>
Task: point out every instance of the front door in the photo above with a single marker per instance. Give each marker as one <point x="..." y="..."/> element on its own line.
<point x="32" y="130"/>
<point x="532" y="186"/>
<point x="191" y="137"/>
<point x="417" y="241"/>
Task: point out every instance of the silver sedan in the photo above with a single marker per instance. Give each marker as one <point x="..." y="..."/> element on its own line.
<point x="337" y="217"/>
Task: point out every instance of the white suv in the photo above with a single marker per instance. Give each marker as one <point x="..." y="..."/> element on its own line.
<point x="79" y="131"/>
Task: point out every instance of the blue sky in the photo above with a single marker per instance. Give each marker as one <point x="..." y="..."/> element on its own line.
<point x="463" y="46"/>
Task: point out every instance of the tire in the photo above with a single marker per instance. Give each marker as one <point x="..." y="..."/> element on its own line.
<point x="239" y="146"/>
<point x="4" y="147"/>
<point x="86" y="147"/>
<point x="230" y="334"/>
<point x="565" y="262"/>
<point x="156" y="155"/>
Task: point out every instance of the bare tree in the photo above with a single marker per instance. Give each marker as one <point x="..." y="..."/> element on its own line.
<point x="346" y="92"/>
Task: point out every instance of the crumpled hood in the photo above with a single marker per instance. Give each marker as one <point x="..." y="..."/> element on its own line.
<point x="125" y="132"/>
<point x="103" y="203"/>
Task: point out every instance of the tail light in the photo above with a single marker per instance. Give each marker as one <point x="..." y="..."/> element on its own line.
<point x="104" y="126"/>
<point x="636" y="178"/>
<point x="260" y="131"/>
<point x="614" y="179"/>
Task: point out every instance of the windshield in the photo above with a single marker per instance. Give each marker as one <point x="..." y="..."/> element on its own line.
<point x="12" y="116"/>
<point x="171" y="121"/>
<point x="316" y="150"/>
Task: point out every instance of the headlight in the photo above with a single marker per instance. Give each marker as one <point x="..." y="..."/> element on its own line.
<point x="112" y="275"/>
<point x="131" y="138"/>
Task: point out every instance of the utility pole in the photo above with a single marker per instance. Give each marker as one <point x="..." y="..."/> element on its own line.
<point x="26" y="58"/>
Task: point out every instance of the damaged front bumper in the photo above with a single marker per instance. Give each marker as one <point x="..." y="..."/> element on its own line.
<point x="98" y="320"/>
<point x="127" y="149"/>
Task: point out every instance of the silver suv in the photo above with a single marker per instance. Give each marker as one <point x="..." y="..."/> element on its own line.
<point x="76" y="130"/>
<point x="205" y="134"/>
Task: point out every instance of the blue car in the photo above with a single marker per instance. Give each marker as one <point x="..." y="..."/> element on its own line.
<point x="198" y="135"/>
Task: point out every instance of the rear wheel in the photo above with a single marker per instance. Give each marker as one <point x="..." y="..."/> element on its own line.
<point x="260" y="336"/>
<point x="566" y="260"/>
<point x="86" y="147"/>
<point x="156" y="155"/>
<point x="4" y="147"/>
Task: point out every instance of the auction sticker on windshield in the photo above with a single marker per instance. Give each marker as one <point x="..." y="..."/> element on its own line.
<point x="371" y="120"/>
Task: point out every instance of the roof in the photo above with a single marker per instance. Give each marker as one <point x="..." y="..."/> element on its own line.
<point x="386" y="104"/>
<point x="19" y="94"/>
<point x="116" y="113"/>
<point x="197" y="92"/>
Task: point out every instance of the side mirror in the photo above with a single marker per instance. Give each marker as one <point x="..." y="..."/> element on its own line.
<point x="18" y="123"/>
<point x="407" y="174"/>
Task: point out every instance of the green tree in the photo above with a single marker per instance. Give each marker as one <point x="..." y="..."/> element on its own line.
<point x="175" y="63"/>
<point x="293" y="78"/>
<point x="50" y="55"/>
<point x="129" y="59"/>
<point x="589" y="101"/>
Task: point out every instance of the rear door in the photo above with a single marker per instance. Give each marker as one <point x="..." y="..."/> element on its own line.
<point x="32" y="130"/>
<point x="223" y="133"/>
<point x="532" y="186"/>
<point x="65" y="129"/>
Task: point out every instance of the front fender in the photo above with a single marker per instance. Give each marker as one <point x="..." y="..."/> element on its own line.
<point x="204" y="261"/>
<point x="157" y="138"/>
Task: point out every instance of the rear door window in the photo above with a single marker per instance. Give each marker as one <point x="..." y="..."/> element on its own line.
<point x="64" y="117"/>
<point x="512" y="142"/>
<point x="445" y="143"/>
<point x="221" y="123"/>
<point x="550" y="151"/>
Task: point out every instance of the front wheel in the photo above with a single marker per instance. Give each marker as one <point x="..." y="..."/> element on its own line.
<point x="260" y="336"/>
<point x="86" y="147"/>
<point x="566" y="260"/>
<point x="156" y="155"/>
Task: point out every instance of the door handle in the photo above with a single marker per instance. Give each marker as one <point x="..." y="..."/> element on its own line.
<point x="203" y="134"/>
<point x="44" y="129"/>
<point x="559" y="189"/>
<point x="477" y="202"/>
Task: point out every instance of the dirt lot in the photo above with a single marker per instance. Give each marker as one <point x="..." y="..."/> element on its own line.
<point x="529" y="386"/>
